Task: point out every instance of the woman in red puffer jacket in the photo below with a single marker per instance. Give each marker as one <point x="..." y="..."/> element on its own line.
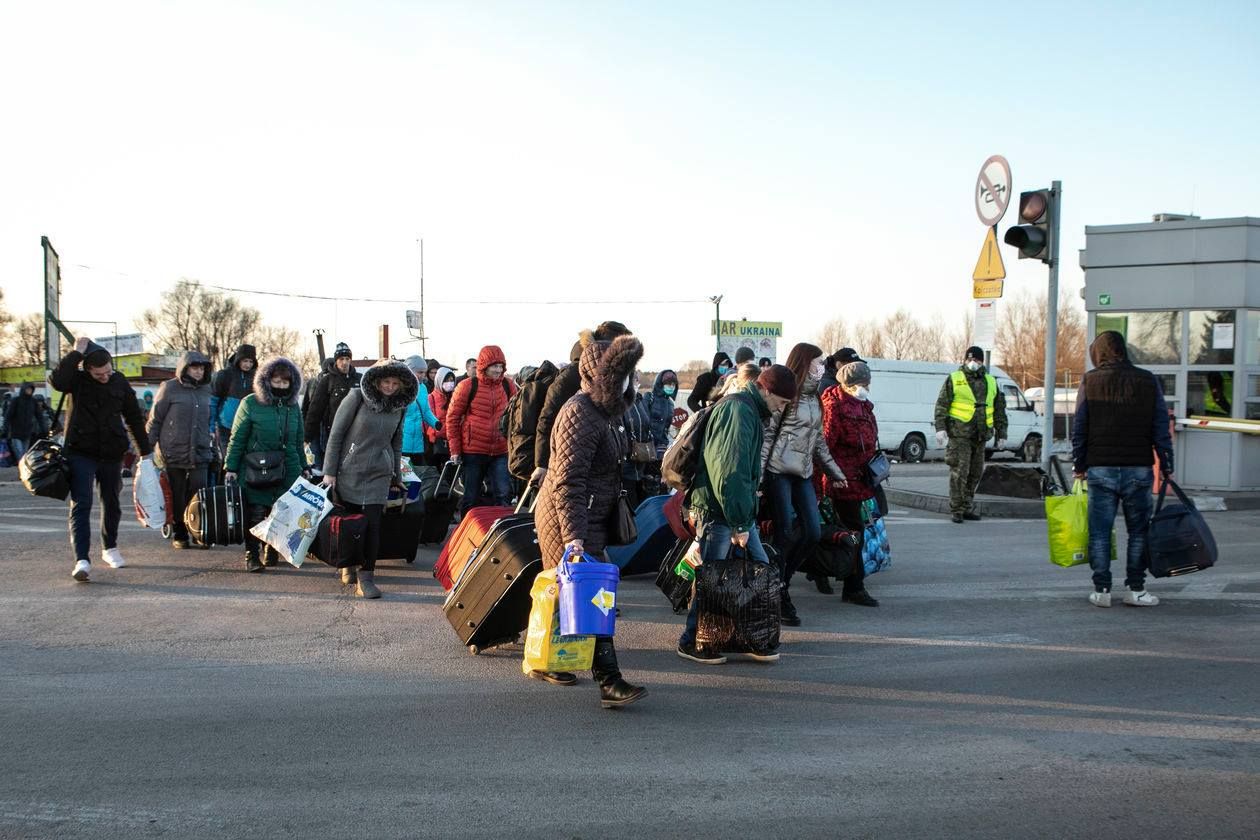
<point x="852" y="437"/>
<point x="472" y="428"/>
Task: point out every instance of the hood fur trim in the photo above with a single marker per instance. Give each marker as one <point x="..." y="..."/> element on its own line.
<point x="604" y="366"/>
<point x="401" y="398"/>
<point x="262" y="380"/>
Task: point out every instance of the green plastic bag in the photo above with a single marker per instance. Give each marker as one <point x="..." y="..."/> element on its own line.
<point x="1067" y="526"/>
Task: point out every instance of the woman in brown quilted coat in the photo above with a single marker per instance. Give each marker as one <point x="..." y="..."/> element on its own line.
<point x="583" y="483"/>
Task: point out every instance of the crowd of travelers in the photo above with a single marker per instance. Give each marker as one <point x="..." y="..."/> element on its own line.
<point x="782" y="443"/>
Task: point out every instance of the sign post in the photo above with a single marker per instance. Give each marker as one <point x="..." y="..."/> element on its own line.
<point x="53" y="328"/>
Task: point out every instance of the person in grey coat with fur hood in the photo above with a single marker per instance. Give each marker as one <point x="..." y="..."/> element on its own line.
<point x="364" y="456"/>
<point x="583" y="485"/>
<point x="179" y="431"/>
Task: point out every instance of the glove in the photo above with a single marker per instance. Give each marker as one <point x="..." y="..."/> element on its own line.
<point x="1000" y="443"/>
<point x="942" y="438"/>
<point x="537" y="478"/>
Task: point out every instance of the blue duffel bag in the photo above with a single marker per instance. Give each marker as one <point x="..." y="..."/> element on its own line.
<point x="1178" y="540"/>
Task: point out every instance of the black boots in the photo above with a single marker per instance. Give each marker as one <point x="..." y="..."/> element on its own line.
<point x="367" y="586"/>
<point x="349" y="576"/>
<point x="252" y="563"/>
<point x="788" y="609"/>
<point x="824" y="585"/>
<point x="614" y="692"/>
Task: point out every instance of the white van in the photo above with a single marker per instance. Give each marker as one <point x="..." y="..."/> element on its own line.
<point x="905" y="392"/>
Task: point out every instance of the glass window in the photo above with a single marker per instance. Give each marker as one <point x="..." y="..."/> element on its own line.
<point x="1153" y="338"/>
<point x="1014" y="399"/>
<point x="1210" y="393"/>
<point x="1168" y="381"/>
<point x="1251" y="339"/>
<point x="1253" y="397"/>
<point x="1211" y="338"/>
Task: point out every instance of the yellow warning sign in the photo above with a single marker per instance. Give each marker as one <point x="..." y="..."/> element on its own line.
<point x="986" y="289"/>
<point x="989" y="266"/>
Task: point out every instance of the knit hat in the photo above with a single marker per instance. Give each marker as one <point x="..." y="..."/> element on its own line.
<point x="417" y="365"/>
<point x="744" y="354"/>
<point x="342" y="351"/>
<point x="854" y="373"/>
<point x="974" y="352"/>
<point x="778" y="380"/>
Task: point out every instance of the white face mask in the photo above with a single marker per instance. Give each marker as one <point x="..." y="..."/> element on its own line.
<point x="973" y="366"/>
<point x="816" y="370"/>
<point x="861" y="393"/>
<point x="625" y="385"/>
<point x="448" y="386"/>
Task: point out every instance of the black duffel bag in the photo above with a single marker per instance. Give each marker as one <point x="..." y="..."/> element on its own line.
<point x="1178" y="540"/>
<point x="44" y="470"/>
<point x="738" y="604"/>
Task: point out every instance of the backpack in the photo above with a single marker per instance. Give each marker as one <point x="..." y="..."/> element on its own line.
<point x="520" y="422"/>
<point x="682" y="459"/>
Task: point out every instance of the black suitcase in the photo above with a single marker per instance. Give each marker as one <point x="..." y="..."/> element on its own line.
<point x="339" y="539"/>
<point x="440" y="502"/>
<point x="400" y="532"/>
<point x="490" y="602"/>
<point x="216" y="516"/>
<point x="1178" y="540"/>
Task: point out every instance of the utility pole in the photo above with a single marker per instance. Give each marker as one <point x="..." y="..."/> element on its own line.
<point x="716" y="300"/>
<point x="424" y="349"/>
<point x="1052" y="324"/>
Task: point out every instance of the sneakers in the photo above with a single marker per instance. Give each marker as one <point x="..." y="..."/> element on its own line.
<point x="113" y="558"/>
<point x="1140" y="598"/>
<point x="82" y="569"/>
<point x="701" y="655"/>
<point x="1100" y="599"/>
<point x="763" y="655"/>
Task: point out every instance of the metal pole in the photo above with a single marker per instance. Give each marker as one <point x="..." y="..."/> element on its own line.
<point x="1052" y="326"/>
<point x="423" y="340"/>
<point x="717" y="321"/>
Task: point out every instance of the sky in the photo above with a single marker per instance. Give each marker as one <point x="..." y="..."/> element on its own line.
<point x="628" y="160"/>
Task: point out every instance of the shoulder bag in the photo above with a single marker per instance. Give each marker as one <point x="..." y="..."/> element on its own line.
<point x="266" y="469"/>
<point x="44" y="470"/>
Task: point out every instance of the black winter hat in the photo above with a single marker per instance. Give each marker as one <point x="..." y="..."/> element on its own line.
<point x="974" y="352"/>
<point x="342" y="351"/>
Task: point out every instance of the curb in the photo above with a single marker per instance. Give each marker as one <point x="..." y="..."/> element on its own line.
<point x="985" y="506"/>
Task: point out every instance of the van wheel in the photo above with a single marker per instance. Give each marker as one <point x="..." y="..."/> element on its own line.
<point x="1030" y="452"/>
<point x="913" y="448"/>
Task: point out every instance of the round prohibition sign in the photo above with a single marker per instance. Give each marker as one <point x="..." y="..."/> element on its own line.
<point x="993" y="190"/>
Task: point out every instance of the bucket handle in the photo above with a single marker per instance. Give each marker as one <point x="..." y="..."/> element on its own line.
<point x="571" y="556"/>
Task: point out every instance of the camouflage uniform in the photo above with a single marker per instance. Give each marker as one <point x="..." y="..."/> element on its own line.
<point x="965" y="451"/>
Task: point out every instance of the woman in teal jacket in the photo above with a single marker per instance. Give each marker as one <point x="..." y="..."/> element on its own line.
<point x="419" y="414"/>
<point x="268" y="420"/>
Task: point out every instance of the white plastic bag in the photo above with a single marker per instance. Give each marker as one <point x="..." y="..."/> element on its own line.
<point x="294" y="520"/>
<point x="146" y="490"/>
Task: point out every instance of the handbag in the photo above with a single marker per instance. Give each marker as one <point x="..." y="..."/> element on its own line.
<point x="878" y="469"/>
<point x="266" y="469"/>
<point x="621" y="527"/>
<point x="642" y="451"/>
<point x="44" y="470"/>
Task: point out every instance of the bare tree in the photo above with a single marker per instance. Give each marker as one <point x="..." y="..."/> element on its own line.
<point x="26" y="340"/>
<point x="287" y="342"/>
<point x="1021" y="339"/>
<point x="833" y="335"/>
<point x="193" y="317"/>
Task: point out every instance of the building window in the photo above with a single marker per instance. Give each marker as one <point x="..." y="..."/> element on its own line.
<point x="1253" y="397"/>
<point x="1251" y="340"/>
<point x="1168" y="382"/>
<point x="1153" y="338"/>
<point x="1211" y="337"/>
<point x="1210" y="393"/>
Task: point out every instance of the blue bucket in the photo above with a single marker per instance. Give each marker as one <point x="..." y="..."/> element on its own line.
<point x="588" y="597"/>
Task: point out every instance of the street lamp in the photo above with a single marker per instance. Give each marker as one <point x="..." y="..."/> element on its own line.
<point x="716" y="300"/>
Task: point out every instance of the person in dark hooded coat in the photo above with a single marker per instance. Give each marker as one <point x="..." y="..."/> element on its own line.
<point x="231" y="385"/>
<point x="660" y="407"/>
<point x="268" y="420"/>
<point x="179" y="431"/>
<point x="337" y="378"/>
<point x="583" y="484"/>
<point x="22" y="422"/>
<point x="364" y="456"/>
<point x="701" y="393"/>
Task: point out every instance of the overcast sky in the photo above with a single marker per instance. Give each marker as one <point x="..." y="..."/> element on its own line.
<point x="806" y="160"/>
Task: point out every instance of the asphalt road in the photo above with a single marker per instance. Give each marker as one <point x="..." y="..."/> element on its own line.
<point x="985" y="698"/>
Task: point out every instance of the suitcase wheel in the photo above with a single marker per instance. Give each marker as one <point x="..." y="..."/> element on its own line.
<point x="168" y="531"/>
<point x="474" y="649"/>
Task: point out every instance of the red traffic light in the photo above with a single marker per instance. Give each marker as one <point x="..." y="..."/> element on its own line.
<point x="1033" y="206"/>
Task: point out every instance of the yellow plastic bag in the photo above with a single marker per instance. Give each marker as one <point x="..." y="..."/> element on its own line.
<point x="1067" y="526"/>
<point x="545" y="648"/>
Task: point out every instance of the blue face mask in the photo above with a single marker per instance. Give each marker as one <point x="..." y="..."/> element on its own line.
<point x="723" y="370"/>
<point x="670" y="390"/>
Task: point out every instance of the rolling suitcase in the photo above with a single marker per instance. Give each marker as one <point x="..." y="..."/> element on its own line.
<point x="655" y="539"/>
<point x="216" y="516"/>
<point x="440" y="502"/>
<point x="490" y="603"/>
<point x="471" y="533"/>
<point x="339" y="539"/>
<point x="400" y="531"/>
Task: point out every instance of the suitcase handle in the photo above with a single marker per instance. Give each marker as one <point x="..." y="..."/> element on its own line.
<point x="442" y="477"/>
<point x="520" y="505"/>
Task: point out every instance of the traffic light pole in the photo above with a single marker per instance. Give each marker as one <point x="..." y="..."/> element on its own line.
<point x="1052" y="328"/>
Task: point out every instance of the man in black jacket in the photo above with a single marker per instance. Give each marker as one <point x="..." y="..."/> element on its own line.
<point x="22" y="424"/>
<point x="98" y="399"/>
<point x="567" y="383"/>
<point x="1121" y="422"/>
<point x="337" y="379"/>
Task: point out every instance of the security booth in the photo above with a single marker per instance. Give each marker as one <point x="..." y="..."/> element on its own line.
<point x="1185" y="294"/>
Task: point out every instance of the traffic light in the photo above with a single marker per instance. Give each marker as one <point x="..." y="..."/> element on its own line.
<point x="1037" y="211"/>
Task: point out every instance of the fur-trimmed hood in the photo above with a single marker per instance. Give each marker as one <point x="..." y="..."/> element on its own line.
<point x="403" y="397"/>
<point x="262" y="380"/>
<point x="604" y="366"/>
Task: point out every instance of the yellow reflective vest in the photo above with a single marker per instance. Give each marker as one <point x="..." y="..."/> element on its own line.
<point x="964" y="405"/>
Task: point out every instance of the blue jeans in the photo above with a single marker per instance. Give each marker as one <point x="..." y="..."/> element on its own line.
<point x="715" y="544"/>
<point x="318" y="446"/>
<point x="18" y="447"/>
<point x="1110" y="488"/>
<point x="84" y="472"/>
<point x="793" y="497"/>
<point x="490" y="468"/>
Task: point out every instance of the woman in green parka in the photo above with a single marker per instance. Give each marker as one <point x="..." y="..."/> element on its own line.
<point x="268" y="420"/>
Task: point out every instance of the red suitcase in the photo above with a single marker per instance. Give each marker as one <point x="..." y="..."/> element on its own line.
<point x="468" y="535"/>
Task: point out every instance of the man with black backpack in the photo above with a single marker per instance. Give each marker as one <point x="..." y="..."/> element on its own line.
<point x="520" y="422"/>
<point x="1121" y="423"/>
<point x="472" y="428"/>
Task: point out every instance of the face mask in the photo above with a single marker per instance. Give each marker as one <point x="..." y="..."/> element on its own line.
<point x="723" y="370"/>
<point x="448" y="386"/>
<point x="973" y="366"/>
<point x="281" y="393"/>
<point x="862" y="394"/>
<point x="670" y="390"/>
<point x="625" y="385"/>
<point x="816" y="370"/>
